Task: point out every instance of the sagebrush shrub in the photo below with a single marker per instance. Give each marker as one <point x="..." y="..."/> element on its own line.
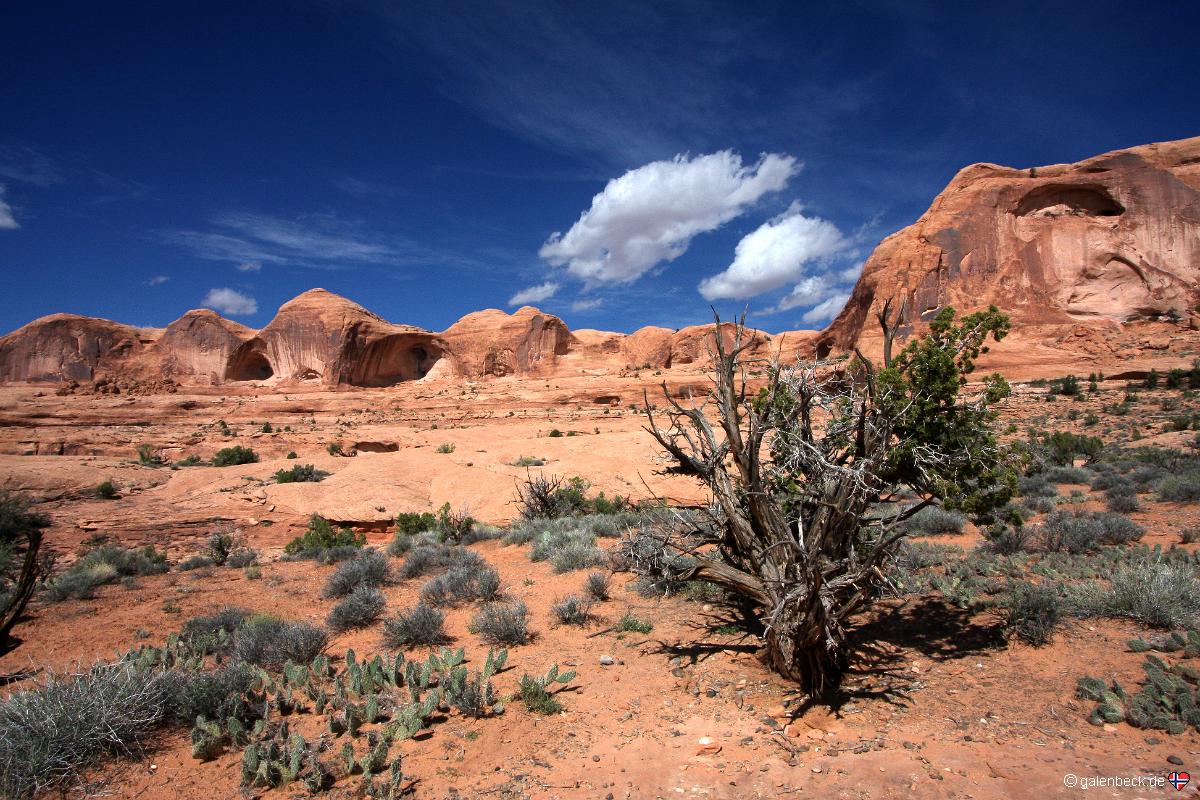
<point x="369" y="569"/>
<point x="934" y="521"/>
<point x="1036" y="486"/>
<point x="49" y="733"/>
<point x="1180" y="488"/>
<point x="502" y="623"/>
<point x="462" y="585"/>
<point x="195" y="562"/>
<point x="105" y="564"/>
<point x="202" y="632"/>
<point x="572" y="610"/>
<point x="269" y="642"/>
<point x="597" y="585"/>
<point x="1034" y="612"/>
<point x="360" y="608"/>
<point x="1156" y="593"/>
<point x="242" y="557"/>
<point x="420" y="625"/>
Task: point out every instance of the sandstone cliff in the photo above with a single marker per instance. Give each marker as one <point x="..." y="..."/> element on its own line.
<point x="491" y="342"/>
<point x="69" y="347"/>
<point x="1112" y="239"/>
<point x="324" y="337"/>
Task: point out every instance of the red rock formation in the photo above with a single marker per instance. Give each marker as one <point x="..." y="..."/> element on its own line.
<point x="1115" y="238"/>
<point x="494" y="343"/>
<point x="69" y="347"/>
<point x="199" y="345"/>
<point x="322" y="336"/>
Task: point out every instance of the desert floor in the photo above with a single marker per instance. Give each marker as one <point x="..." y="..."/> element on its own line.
<point x="940" y="702"/>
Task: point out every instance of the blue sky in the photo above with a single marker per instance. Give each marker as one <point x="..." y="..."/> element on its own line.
<point x="618" y="163"/>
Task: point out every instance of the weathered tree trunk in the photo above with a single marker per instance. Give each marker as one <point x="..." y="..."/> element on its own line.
<point x="798" y="646"/>
<point x="22" y="590"/>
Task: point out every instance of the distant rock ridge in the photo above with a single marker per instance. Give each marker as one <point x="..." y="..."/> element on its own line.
<point x="1096" y="262"/>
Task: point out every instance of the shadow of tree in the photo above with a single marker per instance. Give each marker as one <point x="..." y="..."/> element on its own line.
<point x="884" y="646"/>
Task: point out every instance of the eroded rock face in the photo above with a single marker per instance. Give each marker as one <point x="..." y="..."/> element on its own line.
<point x="1112" y="239"/>
<point x="69" y="347"/>
<point x="323" y="337"/>
<point x="199" y="344"/>
<point x="494" y="343"/>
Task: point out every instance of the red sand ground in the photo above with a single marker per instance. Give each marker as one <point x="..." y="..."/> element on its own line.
<point x="941" y="705"/>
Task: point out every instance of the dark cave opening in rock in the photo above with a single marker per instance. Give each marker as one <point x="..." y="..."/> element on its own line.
<point x="248" y="364"/>
<point x="1059" y="199"/>
<point x="394" y="359"/>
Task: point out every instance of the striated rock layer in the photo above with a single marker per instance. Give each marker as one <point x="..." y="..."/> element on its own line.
<point x="1112" y="239"/>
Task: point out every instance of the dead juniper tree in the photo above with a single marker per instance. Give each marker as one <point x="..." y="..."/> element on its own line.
<point x="20" y="563"/>
<point x="813" y="475"/>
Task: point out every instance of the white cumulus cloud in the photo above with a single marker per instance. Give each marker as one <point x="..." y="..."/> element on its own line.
<point x="826" y="310"/>
<point x="534" y="294"/>
<point x="7" y="221"/>
<point x="773" y="255"/>
<point x="651" y="214"/>
<point x="228" y="301"/>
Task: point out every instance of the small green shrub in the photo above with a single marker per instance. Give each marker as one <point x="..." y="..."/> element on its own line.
<point x="320" y="536"/>
<point x="630" y="623"/>
<point x="104" y="565"/>
<point x="445" y="448"/>
<point x="410" y="523"/>
<point x="107" y="491"/>
<point x="231" y="456"/>
<point x="305" y="473"/>
<point x="555" y="433"/>
<point x="291" y="455"/>
<point x="148" y="456"/>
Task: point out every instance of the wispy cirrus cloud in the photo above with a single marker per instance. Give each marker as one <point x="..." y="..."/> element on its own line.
<point x="250" y="240"/>
<point x="26" y="165"/>
<point x="7" y="221"/>
<point x="158" y="280"/>
<point x="558" y="83"/>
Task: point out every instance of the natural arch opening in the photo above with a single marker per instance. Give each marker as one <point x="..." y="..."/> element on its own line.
<point x="1060" y="200"/>
<point x="392" y="360"/>
<point x="248" y="364"/>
